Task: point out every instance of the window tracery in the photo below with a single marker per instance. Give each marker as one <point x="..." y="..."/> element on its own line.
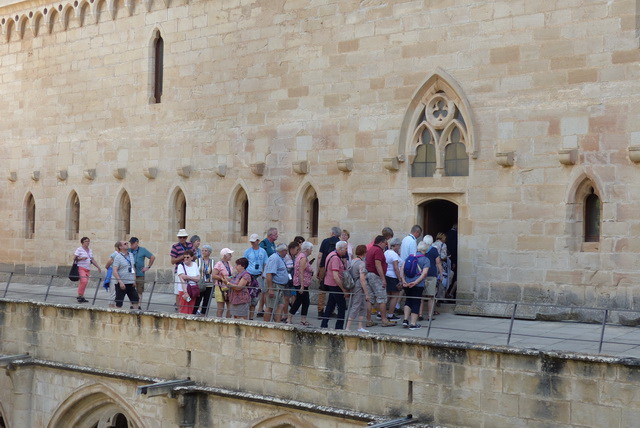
<point x="440" y="138"/>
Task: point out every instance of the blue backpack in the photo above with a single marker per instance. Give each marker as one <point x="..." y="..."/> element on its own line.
<point x="411" y="267"/>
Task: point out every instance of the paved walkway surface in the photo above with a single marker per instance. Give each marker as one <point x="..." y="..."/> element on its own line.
<point x="567" y="336"/>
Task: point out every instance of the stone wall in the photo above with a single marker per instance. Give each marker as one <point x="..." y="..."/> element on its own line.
<point x="450" y="384"/>
<point x="549" y="90"/>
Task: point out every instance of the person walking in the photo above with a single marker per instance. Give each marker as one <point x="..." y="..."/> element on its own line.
<point x="257" y="258"/>
<point x="302" y="277"/>
<point x="140" y="254"/>
<point x="177" y="253"/>
<point x="205" y="265"/>
<point x="189" y="275"/>
<point x="84" y="258"/>
<point x="124" y="272"/>
<point x="335" y="266"/>
<point x="358" y="272"/>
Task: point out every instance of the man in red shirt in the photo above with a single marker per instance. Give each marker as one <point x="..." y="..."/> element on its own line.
<point x="377" y="267"/>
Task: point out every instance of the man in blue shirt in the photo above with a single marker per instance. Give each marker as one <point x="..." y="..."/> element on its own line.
<point x="276" y="279"/>
<point x="139" y="255"/>
<point x="269" y="244"/>
<point x="257" y="257"/>
<point x="410" y="242"/>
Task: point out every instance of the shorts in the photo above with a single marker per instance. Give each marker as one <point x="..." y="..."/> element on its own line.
<point x="376" y="289"/>
<point x="139" y="284"/>
<point x="278" y="297"/>
<point x="392" y="285"/>
<point x="219" y="295"/>
<point x="430" y="289"/>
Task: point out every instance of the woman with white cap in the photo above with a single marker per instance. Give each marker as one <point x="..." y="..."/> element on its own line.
<point x="222" y="274"/>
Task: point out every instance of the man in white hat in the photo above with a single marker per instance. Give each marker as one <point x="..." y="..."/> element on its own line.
<point x="177" y="252"/>
<point x="257" y="257"/>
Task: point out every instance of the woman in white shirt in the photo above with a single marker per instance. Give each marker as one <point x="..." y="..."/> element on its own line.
<point x="393" y="275"/>
<point x="84" y="258"/>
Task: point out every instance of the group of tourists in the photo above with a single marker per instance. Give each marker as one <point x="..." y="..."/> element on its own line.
<point x="388" y="277"/>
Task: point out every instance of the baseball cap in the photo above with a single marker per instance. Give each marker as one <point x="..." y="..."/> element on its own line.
<point x="254" y="238"/>
<point x="225" y="251"/>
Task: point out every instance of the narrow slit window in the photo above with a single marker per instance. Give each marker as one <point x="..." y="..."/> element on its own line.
<point x="592" y="218"/>
<point x="30" y="218"/>
<point x="244" y="227"/>
<point x="315" y="215"/>
<point x="73" y="217"/>
<point x="158" y="68"/>
<point x="124" y="217"/>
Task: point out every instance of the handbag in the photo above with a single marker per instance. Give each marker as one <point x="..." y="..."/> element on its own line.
<point x="193" y="289"/>
<point x="74" y="273"/>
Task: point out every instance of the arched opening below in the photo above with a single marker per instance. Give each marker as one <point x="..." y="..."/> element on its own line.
<point x="437" y="215"/>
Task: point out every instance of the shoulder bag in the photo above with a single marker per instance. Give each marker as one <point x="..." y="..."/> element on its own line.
<point x="74" y="273"/>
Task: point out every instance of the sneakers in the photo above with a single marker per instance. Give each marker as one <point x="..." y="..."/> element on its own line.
<point x="371" y="323"/>
<point x="260" y="315"/>
<point x="378" y="316"/>
<point x="415" y="327"/>
<point x="363" y="330"/>
<point x="81" y="299"/>
<point x="388" y="324"/>
<point x="405" y="323"/>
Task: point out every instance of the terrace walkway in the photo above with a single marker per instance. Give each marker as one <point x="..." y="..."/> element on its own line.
<point x="548" y="336"/>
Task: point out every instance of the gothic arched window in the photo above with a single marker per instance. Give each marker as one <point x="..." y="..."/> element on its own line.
<point x="592" y="217"/>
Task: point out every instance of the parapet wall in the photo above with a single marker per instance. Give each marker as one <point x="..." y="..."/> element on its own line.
<point x="451" y="384"/>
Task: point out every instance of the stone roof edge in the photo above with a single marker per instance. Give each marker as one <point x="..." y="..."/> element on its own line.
<point x="451" y="344"/>
<point x="295" y="404"/>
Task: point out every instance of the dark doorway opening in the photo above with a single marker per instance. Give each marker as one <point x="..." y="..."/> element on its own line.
<point x="438" y="216"/>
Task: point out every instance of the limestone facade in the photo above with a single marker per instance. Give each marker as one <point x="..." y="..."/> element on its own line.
<point x="267" y="106"/>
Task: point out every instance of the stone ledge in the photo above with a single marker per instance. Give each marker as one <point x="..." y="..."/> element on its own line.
<point x="434" y="343"/>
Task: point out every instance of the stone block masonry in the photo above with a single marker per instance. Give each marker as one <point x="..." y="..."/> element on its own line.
<point x="272" y="83"/>
<point x="442" y="383"/>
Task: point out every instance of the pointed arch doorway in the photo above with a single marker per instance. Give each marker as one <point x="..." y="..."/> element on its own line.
<point x="437" y="215"/>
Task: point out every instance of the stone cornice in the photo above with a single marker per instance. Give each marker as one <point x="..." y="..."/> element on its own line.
<point x="17" y="17"/>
